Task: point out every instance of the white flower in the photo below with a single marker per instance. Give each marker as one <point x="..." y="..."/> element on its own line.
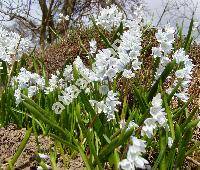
<point x="165" y="38"/>
<point x="99" y="106"/>
<point x="27" y="80"/>
<point x="62" y="17"/>
<point x="134" y="159"/>
<point x="86" y="73"/>
<point x="58" y="107"/>
<point x="107" y="106"/>
<point x="158" y="117"/>
<point x="109" y="17"/>
<point x="157" y="101"/>
<point x="105" y="65"/>
<point x="18" y="97"/>
<point x="111" y="104"/>
<point x="103" y="89"/>
<point x="157" y="52"/>
<point x="32" y="90"/>
<point x="12" y="45"/>
<point x="170" y="142"/>
<point x="128" y="74"/>
<point x="131" y="125"/>
<point x="169" y="90"/>
<point x="82" y="83"/>
<point x="183" y="96"/>
<point x="69" y="94"/>
<point x="93" y="46"/>
<point x="183" y="74"/>
<point x="53" y="84"/>
<point x="179" y="56"/>
<point x="150" y="125"/>
<point x="43" y="156"/>
<point x="157" y="111"/>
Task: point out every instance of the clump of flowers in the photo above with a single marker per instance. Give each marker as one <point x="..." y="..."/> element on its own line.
<point x="27" y="80"/>
<point x="158" y="117"/>
<point x="109" y="17"/>
<point x="87" y="95"/>
<point x="134" y="156"/>
<point x="12" y="45"/>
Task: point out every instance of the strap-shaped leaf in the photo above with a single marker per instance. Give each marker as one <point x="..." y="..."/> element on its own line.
<point x="168" y="69"/>
<point x="116" y="142"/>
<point x="103" y="37"/>
<point x="20" y="148"/>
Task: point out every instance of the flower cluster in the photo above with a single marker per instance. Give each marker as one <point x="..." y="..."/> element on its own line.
<point x="129" y="49"/>
<point x="158" y="117"/>
<point x="68" y="95"/>
<point x="183" y="74"/>
<point x="134" y="156"/>
<point x="12" y="45"/>
<point x="165" y="39"/>
<point x="27" y="80"/>
<point x="109" y="17"/>
<point x="108" y="107"/>
<point x="62" y="17"/>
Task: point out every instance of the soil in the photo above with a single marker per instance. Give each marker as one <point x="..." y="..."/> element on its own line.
<point x="10" y="139"/>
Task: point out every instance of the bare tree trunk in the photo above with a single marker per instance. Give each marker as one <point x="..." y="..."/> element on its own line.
<point x="67" y="9"/>
<point x="44" y="10"/>
<point x="47" y="22"/>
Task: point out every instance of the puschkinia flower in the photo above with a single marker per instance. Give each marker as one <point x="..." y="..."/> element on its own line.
<point x="53" y="84"/>
<point x="93" y="46"/>
<point x="69" y="94"/>
<point x="166" y="39"/>
<point x="12" y="45"/>
<point x="62" y="17"/>
<point x="85" y="72"/>
<point x="134" y="156"/>
<point x="107" y="106"/>
<point x="68" y="73"/>
<point x="183" y="74"/>
<point x="158" y="117"/>
<point x="170" y="142"/>
<point x="128" y="74"/>
<point x="109" y="17"/>
<point x="27" y="80"/>
<point x="18" y="98"/>
<point x="105" y="67"/>
<point x="129" y="48"/>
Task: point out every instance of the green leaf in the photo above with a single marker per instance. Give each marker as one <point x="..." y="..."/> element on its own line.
<point x="20" y="148"/>
<point x="141" y="100"/>
<point x="177" y="140"/>
<point x="169" y="117"/>
<point x="103" y="37"/>
<point x="189" y="34"/>
<point x="173" y="91"/>
<point x="37" y="114"/>
<point x="179" y="112"/>
<point x="116" y="142"/>
<point x="96" y="121"/>
<point x="189" y="119"/>
<point x="163" y="144"/>
<point x="168" y="69"/>
<point x="118" y="32"/>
